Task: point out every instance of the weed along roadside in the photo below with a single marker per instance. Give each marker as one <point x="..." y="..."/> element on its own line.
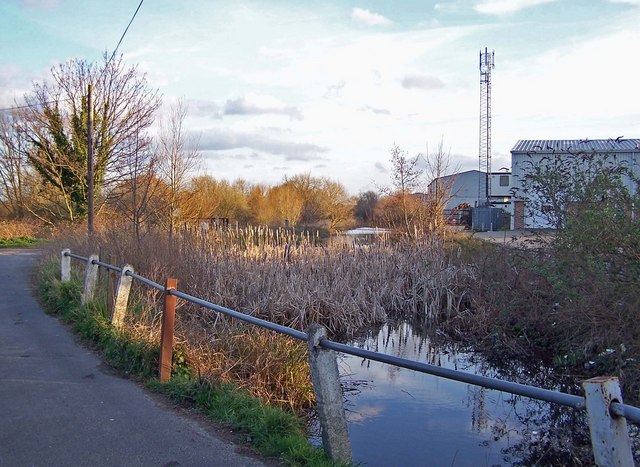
<point x="609" y="435"/>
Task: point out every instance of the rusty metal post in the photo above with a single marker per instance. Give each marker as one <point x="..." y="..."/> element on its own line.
<point x="329" y="403"/>
<point x="65" y="265"/>
<point x="122" y="297"/>
<point x="90" y="278"/>
<point x="609" y="433"/>
<point x="168" y="323"/>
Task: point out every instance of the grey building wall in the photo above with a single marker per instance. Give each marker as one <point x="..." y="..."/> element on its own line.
<point x="464" y="187"/>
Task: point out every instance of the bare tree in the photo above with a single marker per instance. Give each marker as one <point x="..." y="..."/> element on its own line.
<point x="337" y="205"/>
<point x="14" y="175"/>
<point x="440" y="186"/>
<point x="55" y="122"/>
<point x="285" y="204"/>
<point x="406" y="175"/>
<point x="179" y="158"/>
<point x="365" y="206"/>
<point x="135" y="196"/>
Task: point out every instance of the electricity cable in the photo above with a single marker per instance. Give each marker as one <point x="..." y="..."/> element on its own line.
<point x="19" y="107"/>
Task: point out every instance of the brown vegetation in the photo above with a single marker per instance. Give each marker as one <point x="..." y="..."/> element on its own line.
<point x="550" y="304"/>
<point x="285" y="278"/>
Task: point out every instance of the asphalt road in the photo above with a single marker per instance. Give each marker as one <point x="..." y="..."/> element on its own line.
<point x="60" y="405"/>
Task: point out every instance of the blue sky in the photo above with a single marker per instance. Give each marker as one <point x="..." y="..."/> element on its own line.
<point x="277" y="88"/>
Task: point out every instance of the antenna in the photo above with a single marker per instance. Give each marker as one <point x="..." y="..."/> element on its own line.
<point x="487" y="63"/>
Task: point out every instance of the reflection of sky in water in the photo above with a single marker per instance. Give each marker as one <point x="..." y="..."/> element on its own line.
<point x="402" y="417"/>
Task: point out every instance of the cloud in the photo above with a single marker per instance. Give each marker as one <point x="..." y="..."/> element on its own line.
<point x="218" y="140"/>
<point x="40" y="3"/>
<point x="13" y="85"/>
<point x="275" y="53"/>
<point x="501" y="7"/>
<point x="380" y="167"/>
<point x="204" y="108"/>
<point x="253" y="104"/>
<point x="368" y="18"/>
<point x="628" y="2"/>
<point x="334" y="90"/>
<point x="419" y="81"/>
<point x="449" y="7"/>
<point x="368" y="108"/>
<point x="364" y="412"/>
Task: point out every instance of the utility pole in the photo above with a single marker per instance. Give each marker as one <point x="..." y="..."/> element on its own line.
<point x="89" y="162"/>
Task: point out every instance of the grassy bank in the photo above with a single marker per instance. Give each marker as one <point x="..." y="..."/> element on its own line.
<point x="271" y="430"/>
<point x="18" y="242"/>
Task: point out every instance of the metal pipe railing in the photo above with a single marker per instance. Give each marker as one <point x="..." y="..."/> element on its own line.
<point x="631" y="413"/>
<point x="110" y="267"/>
<point x="144" y="280"/>
<point x="242" y="316"/>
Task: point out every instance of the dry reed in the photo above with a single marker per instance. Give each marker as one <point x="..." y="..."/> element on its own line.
<point x="285" y="278"/>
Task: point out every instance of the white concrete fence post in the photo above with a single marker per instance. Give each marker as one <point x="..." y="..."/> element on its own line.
<point x="609" y="434"/>
<point x="90" y="279"/>
<point x="65" y="265"/>
<point x="122" y="297"/>
<point x="326" y="387"/>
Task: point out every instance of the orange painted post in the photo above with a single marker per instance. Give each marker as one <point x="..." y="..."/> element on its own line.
<point x="168" y="322"/>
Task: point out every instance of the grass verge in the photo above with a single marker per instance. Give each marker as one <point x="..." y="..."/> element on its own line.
<point x="18" y="242"/>
<point x="272" y="431"/>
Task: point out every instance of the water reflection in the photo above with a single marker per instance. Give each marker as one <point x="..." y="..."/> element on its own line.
<point x="402" y="417"/>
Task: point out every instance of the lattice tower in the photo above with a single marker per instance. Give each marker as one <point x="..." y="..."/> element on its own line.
<point x="487" y="63"/>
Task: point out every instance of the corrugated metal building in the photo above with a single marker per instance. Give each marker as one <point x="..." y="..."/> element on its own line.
<point x="526" y="153"/>
<point x="464" y="188"/>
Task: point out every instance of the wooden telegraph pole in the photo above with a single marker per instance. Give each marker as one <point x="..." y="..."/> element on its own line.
<point x="89" y="162"/>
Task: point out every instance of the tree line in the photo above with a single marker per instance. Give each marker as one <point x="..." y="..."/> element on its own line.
<point x="146" y="166"/>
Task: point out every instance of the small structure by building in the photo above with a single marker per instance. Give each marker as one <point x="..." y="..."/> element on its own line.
<point x="465" y="187"/>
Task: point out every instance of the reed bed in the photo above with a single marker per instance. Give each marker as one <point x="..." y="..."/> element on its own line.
<point x="287" y="278"/>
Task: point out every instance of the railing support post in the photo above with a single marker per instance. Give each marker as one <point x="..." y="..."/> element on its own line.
<point x="168" y="324"/>
<point x="609" y="435"/>
<point x="90" y="278"/>
<point x="65" y="265"/>
<point x="122" y="297"/>
<point x="326" y="387"/>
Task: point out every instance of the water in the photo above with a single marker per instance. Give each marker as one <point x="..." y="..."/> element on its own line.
<point x="401" y="417"/>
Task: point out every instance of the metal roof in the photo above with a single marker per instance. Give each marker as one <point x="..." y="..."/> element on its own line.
<point x="550" y="146"/>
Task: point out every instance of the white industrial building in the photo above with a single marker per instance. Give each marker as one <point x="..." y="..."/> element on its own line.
<point x="507" y="187"/>
<point x="526" y="154"/>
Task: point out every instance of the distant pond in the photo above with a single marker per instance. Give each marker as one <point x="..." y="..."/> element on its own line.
<point x="405" y="418"/>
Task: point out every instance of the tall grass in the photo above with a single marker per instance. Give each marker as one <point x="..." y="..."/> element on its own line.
<point x="286" y="278"/>
<point x="22" y="230"/>
<point x="276" y="275"/>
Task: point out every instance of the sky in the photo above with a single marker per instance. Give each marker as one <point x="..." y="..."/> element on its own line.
<point x="277" y="88"/>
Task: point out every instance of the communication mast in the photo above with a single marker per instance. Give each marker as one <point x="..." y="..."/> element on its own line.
<point x="487" y="62"/>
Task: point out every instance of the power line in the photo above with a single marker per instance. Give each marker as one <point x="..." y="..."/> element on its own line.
<point x="19" y="107"/>
<point x="124" y="34"/>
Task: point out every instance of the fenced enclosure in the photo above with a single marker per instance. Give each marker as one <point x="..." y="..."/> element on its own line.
<point x="607" y="414"/>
